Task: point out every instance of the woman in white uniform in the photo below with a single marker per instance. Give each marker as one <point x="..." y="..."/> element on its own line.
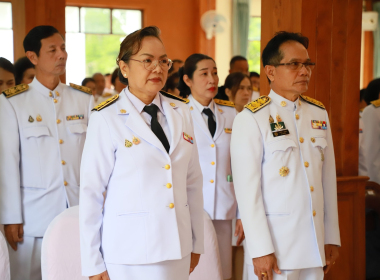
<point x="141" y="150"/>
<point x="212" y="126"/>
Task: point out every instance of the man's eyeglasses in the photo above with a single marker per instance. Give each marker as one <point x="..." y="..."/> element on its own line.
<point x="150" y="64"/>
<point x="296" y="66"/>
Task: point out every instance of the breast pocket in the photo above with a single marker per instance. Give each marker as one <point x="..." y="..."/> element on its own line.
<point x="281" y="150"/>
<point x="35" y="139"/>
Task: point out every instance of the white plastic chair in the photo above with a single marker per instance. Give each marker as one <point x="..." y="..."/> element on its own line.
<point x="5" y="273"/>
<point x="60" y="256"/>
<point x="209" y="267"/>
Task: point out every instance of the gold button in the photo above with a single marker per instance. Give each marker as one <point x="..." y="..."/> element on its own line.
<point x="63" y="162"/>
<point x="211" y="181"/>
<point x="212" y="163"/>
<point x="312" y="139"/>
<point x="172" y="104"/>
<point x="57" y="93"/>
<point x="306" y="164"/>
<point x="50" y="94"/>
<point x="55" y="100"/>
<point x="191" y="108"/>
<point x="301" y="139"/>
<point x="212" y="145"/>
<point x="171" y="205"/>
<point x="123" y="111"/>
<point x="168" y="185"/>
<point x="314" y="213"/>
<point x="283" y="103"/>
<point x="311" y="188"/>
<point x="297" y="117"/>
<point x="65" y="183"/>
<point x="167" y="167"/>
<point x="58" y="121"/>
<point x="60" y="141"/>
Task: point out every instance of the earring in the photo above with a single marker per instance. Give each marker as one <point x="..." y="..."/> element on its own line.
<point x="125" y="75"/>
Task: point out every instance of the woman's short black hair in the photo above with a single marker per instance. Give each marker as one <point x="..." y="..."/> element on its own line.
<point x="7" y="65"/>
<point x="32" y="41"/>
<point x="272" y="54"/>
<point x="372" y="91"/>
<point x="233" y="82"/>
<point x="188" y="69"/>
<point x="21" y="65"/>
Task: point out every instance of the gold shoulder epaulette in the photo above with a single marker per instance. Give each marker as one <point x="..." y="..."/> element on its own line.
<point x="167" y="94"/>
<point x="376" y="103"/>
<point x="106" y="103"/>
<point x="312" y="101"/>
<point x="81" y="88"/>
<point x="107" y="94"/>
<point x="224" y="102"/>
<point x="15" y="90"/>
<point x="257" y="104"/>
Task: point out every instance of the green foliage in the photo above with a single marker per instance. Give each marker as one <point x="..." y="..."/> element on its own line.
<point x="101" y="53"/>
<point x="254" y="37"/>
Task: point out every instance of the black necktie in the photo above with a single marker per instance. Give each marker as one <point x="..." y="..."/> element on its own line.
<point x="156" y="127"/>
<point x="211" y="122"/>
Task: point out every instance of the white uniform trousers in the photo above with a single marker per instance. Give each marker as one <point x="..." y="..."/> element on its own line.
<point x="314" y="273"/>
<point x="166" y="270"/>
<point x="26" y="261"/>
<point x="223" y="229"/>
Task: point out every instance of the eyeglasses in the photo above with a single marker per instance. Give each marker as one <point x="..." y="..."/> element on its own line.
<point x="297" y="66"/>
<point x="150" y="64"/>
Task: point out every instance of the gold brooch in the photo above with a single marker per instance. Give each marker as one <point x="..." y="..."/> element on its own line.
<point x="284" y="171"/>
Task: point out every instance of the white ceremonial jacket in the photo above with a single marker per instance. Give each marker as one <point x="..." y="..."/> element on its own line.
<point x="42" y="135"/>
<point x="371" y="139"/>
<point x="153" y="209"/>
<point x="286" y="185"/>
<point x="214" y="157"/>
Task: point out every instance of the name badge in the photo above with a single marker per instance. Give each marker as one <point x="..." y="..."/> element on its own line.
<point x="188" y="138"/>
<point x="75" y="117"/>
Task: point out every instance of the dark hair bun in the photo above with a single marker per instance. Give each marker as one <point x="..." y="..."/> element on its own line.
<point x="182" y="86"/>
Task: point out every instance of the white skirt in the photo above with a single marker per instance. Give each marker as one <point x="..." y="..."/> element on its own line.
<point x="166" y="270"/>
<point x="223" y="229"/>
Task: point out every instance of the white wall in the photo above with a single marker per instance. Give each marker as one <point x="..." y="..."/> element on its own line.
<point x="223" y="41"/>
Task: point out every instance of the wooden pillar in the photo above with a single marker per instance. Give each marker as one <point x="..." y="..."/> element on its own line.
<point x="369" y="45"/>
<point x="334" y="31"/>
<point x="30" y="13"/>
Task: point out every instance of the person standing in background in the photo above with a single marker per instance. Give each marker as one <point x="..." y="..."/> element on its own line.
<point x="24" y="71"/>
<point x="237" y="64"/>
<point x="7" y="76"/>
<point x="90" y="83"/>
<point x="212" y="127"/>
<point x="238" y="89"/>
<point x="42" y="133"/>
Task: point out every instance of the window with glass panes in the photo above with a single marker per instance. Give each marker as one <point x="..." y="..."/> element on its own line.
<point x="6" y="32"/>
<point x="93" y="37"/>
<point x="254" y="39"/>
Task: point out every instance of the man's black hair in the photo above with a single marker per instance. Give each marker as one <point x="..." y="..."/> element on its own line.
<point x="372" y="91"/>
<point x="86" y="80"/>
<point x="272" y="54"/>
<point x="7" y="65"/>
<point x="236" y="58"/>
<point x="254" y="74"/>
<point x="32" y="41"/>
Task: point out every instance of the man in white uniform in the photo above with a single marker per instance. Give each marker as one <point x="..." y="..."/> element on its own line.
<point x="284" y="171"/>
<point x="43" y="129"/>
